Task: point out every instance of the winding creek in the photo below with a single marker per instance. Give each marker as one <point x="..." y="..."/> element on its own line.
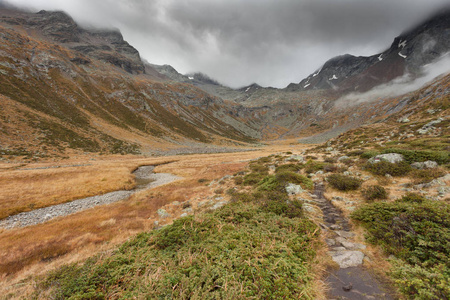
<point x="145" y="179"/>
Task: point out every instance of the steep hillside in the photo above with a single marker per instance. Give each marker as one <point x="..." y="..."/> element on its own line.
<point x="408" y="53"/>
<point x="67" y="87"/>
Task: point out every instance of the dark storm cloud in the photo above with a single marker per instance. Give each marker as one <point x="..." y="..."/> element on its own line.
<point x="239" y="42"/>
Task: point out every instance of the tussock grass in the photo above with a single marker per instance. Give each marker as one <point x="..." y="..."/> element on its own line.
<point x="260" y="246"/>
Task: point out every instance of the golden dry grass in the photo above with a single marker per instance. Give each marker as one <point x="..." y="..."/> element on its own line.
<point x="40" y="248"/>
<point x="24" y="190"/>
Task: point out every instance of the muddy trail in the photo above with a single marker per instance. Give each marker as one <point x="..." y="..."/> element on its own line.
<point x="351" y="280"/>
<point x="145" y="179"/>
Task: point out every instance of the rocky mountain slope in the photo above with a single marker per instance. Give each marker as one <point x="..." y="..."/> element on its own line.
<point x="63" y="86"/>
<point x="408" y="53"/>
<point x="67" y="87"/>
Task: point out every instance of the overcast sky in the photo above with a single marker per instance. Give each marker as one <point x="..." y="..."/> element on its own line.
<point x="238" y="42"/>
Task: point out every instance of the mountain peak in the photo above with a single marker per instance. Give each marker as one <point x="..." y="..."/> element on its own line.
<point x="408" y="53"/>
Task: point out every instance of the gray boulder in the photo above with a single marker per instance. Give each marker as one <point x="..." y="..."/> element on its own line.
<point x="294" y="189"/>
<point x="429" y="164"/>
<point x="347" y="259"/>
<point x="389" y="157"/>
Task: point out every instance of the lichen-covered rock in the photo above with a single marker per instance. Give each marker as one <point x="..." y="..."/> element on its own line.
<point x="389" y="157"/>
<point x="294" y="189"/>
<point x="429" y="164"/>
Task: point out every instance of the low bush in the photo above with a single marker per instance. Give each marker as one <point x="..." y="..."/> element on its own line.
<point x="374" y="192"/>
<point x="259" y="168"/>
<point x="289" y="167"/>
<point x="383" y="167"/>
<point x="412" y="198"/>
<point x="313" y="166"/>
<point x="441" y="157"/>
<point x="344" y="182"/>
<point x="356" y="153"/>
<point x="291" y="177"/>
<point x="417" y="232"/>
<point x="369" y="154"/>
<point x="426" y="175"/>
<point x="238" y="180"/>
<point x="202" y="258"/>
<point x="252" y="178"/>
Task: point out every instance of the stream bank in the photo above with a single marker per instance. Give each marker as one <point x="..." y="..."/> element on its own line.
<point x="145" y="179"/>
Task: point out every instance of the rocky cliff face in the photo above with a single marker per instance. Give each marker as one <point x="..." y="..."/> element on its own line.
<point x="58" y="27"/>
<point x="407" y="55"/>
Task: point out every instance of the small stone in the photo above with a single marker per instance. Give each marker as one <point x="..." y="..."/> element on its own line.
<point x="293" y="189"/>
<point x="175" y="203"/>
<point x="163" y="213"/>
<point x="348" y="287"/>
<point x="335" y="227"/>
<point x="403" y="120"/>
<point x="330" y="242"/>
<point x="345" y="157"/>
<point x="345" y="234"/>
<point x="183" y="215"/>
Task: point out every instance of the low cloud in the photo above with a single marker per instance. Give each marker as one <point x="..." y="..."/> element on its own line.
<point x="400" y="85"/>
<point x="270" y="42"/>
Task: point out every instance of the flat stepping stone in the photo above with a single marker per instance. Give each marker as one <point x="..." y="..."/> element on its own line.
<point x="347" y="259"/>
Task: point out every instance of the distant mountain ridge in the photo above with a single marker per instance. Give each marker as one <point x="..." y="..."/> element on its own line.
<point x="88" y="90"/>
<point x="407" y="54"/>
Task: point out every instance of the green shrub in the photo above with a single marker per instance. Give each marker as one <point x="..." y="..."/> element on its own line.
<point x="417" y="232"/>
<point x="441" y="157"/>
<point x="198" y="258"/>
<point x="291" y="177"/>
<point x="374" y="192"/>
<point x="356" y="153"/>
<point x="383" y="167"/>
<point x="313" y="166"/>
<point x="344" y="182"/>
<point x="258" y="168"/>
<point x="252" y="178"/>
<point x="426" y="175"/>
<point x="287" y="208"/>
<point x="289" y="167"/>
<point x="270" y="183"/>
<point x="412" y="198"/>
<point x="369" y="154"/>
<point x="238" y="180"/>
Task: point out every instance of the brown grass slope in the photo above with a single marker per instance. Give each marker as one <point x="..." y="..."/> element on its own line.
<point x="51" y="100"/>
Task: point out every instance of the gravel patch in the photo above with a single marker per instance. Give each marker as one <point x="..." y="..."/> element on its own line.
<point x="143" y="174"/>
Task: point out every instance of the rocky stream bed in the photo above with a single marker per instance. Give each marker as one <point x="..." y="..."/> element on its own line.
<point x="145" y="179"/>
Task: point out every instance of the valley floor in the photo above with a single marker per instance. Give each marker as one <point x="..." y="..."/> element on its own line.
<point x="247" y="185"/>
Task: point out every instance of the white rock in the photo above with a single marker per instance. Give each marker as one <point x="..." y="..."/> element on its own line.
<point x="347" y="259"/>
<point x="389" y="157"/>
<point x="429" y="164"/>
<point x="294" y="189"/>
